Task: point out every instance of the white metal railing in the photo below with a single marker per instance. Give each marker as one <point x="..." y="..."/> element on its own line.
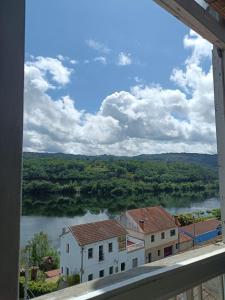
<point x="160" y="280"/>
<point x="135" y="246"/>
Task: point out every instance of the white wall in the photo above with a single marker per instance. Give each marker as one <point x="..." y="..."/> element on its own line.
<point x="72" y="260"/>
<point x="158" y="240"/>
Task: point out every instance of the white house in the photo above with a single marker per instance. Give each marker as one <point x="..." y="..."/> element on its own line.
<point x="156" y="227"/>
<point x="99" y="249"/>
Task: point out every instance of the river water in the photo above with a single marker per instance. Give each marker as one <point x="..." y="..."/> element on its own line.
<point x="53" y="225"/>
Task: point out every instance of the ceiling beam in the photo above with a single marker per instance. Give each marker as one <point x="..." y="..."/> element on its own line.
<point x="197" y="18"/>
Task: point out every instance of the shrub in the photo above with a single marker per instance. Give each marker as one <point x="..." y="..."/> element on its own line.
<point x="73" y="279"/>
<point x="37" y="288"/>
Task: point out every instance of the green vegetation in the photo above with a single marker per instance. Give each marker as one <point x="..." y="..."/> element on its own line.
<point x="73" y="279"/>
<point x="36" y="250"/>
<point x="198" y="216"/>
<point x="59" y="184"/>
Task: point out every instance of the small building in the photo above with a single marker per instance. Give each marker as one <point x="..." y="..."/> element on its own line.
<point x="185" y="242"/>
<point x="99" y="249"/>
<point x="156" y="227"/>
<point x="203" y="232"/>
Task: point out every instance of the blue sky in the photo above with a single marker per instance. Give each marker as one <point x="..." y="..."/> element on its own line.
<point x="152" y="37"/>
<point x="119" y="77"/>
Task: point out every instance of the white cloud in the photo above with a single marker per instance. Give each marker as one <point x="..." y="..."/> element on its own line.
<point x="101" y="59"/>
<point x="74" y="62"/>
<point x="124" y="59"/>
<point x="145" y="119"/>
<point x="97" y="46"/>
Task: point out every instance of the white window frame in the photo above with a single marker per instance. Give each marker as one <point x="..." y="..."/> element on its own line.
<point x="12" y="36"/>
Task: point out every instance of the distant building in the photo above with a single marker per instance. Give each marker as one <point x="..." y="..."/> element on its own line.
<point x="156" y="227"/>
<point x="202" y="232"/>
<point x="99" y="249"/>
<point x="185" y="242"/>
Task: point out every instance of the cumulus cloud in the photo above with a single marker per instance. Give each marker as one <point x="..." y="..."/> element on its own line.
<point x="124" y="59"/>
<point x="101" y="59"/>
<point x="100" y="47"/>
<point x="145" y="119"/>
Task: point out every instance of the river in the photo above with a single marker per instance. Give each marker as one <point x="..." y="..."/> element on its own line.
<point x="53" y="225"/>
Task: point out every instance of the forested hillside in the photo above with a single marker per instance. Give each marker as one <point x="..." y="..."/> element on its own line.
<point x="74" y="183"/>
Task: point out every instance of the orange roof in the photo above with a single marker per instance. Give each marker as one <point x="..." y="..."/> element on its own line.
<point x="154" y="218"/>
<point x="93" y="232"/>
<point x="52" y="273"/>
<point x="201" y="227"/>
<point x="184" y="238"/>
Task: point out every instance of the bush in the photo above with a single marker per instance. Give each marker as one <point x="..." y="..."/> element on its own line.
<point x="73" y="279"/>
<point x="37" y="288"/>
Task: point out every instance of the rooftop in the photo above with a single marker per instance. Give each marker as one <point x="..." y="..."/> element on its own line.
<point x="98" y="231"/>
<point x="201" y="227"/>
<point x="153" y="219"/>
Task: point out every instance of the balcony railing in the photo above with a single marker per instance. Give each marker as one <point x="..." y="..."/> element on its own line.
<point x="160" y="280"/>
<point x="135" y="246"/>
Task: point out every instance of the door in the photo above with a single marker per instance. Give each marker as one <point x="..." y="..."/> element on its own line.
<point x="168" y="251"/>
<point x="149" y="257"/>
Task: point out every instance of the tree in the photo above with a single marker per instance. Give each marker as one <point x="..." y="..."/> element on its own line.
<point x="38" y="248"/>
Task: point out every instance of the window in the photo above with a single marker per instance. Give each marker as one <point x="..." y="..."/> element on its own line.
<point x="101" y="273"/>
<point x="159" y="252"/>
<point x="123" y="266"/>
<point x="163" y="235"/>
<point x="111" y="270"/>
<point x="67" y="271"/>
<point x="152" y="238"/>
<point x="176" y="246"/>
<point x="172" y="232"/>
<point x="134" y="262"/>
<point x="100" y="253"/>
<point x="122" y="243"/>
<point x="90" y="253"/>
<point x="61" y="270"/>
<point x="90" y="277"/>
<point x="67" y="248"/>
<point x="110" y="247"/>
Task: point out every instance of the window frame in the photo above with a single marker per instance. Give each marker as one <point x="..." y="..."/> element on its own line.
<point x="90" y="250"/>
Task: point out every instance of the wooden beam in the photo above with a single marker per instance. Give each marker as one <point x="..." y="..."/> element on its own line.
<point x="219" y="98"/>
<point x="200" y="20"/>
<point x="12" y="29"/>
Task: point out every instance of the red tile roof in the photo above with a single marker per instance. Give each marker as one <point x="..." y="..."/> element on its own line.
<point x="201" y="227"/>
<point x="155" y="218"/>
<point x="93" y="232"/>
<point x="52" y="273"/>
<point x="184" y="238"/>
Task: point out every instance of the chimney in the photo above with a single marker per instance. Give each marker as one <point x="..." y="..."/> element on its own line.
<point x="142" y="224"/>
<point x="176" y="220"/>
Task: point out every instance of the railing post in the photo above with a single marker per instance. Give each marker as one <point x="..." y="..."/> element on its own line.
<point x="219" y="98"/>
<point x="12" y="23"/>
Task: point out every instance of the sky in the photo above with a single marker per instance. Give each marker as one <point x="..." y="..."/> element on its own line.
<point x="115" y="77"/>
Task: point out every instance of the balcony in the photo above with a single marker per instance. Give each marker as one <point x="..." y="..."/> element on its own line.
<point x="190" y="273"/>
<point x="131" y="246"/>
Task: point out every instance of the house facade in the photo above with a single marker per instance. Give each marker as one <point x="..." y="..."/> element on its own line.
<point x="202" y="232"/>
<point x="99" y="249"/>
<point x="156" y="227"/>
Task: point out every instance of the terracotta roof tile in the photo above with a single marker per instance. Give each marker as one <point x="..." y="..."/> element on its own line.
<point x="93" y="232"/>
<point x="201" y="227"/>
<point x="52" y="273"/>
<point x="155" y="218"/>
<point x="184" y="238"/>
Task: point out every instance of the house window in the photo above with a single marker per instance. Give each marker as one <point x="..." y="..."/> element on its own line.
<point x="176" y="246"/>
<point x="123" y="266"/>
<point x="152" y="238"/>
<point x="67" y="271"/>
<point x="61" y="270"/>
<point x="101" y="273"/>
<point x="122" y="243"/>
<point x="67" y="248"/>
<point x="134" y="262"/>
<point x="90" y="253"/>
<point x="111" y="270"/>
<point x="100" y="253"/>
<point x="172" y="232"/>
<point x="159" y="253"/>
<point x="90" y="277"/>
<point x="163" y="235"/>
<point x="110" y="247"/>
